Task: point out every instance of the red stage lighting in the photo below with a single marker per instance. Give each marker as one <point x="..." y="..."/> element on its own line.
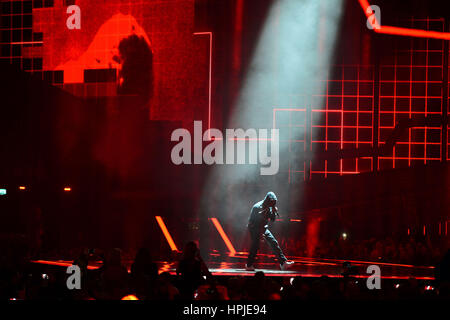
<point x="224" y="236"/>
<point x="404" y="31"/>
<point x="166" y="233"/>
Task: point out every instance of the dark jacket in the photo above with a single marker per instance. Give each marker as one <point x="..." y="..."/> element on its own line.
<point x="262" y="212"/>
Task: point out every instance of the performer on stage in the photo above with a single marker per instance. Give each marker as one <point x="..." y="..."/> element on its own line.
<point x="258" y="226"/>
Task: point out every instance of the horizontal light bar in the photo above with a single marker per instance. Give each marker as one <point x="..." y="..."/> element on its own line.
<point x="418" y="33"/>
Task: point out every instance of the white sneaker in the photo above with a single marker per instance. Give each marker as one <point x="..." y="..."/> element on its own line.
<point x="249" y="268"/>
<point x="285" y="265"/>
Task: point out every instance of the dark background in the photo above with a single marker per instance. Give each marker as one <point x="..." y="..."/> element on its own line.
<point x="116" y="158"/>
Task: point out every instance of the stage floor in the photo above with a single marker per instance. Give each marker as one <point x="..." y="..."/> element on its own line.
<point x="305" y="267"/>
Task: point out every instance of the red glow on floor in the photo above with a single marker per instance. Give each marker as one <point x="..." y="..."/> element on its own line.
<point x="312" y="234"/>
<point x="305" y="267"/>
<point x="60" y="264"/>
<point x="376" y="262"/>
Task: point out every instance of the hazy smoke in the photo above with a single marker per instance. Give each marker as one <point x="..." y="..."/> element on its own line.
<point x="293" y="53"/>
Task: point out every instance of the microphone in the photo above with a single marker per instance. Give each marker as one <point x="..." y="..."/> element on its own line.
<point x="275" y="210"/>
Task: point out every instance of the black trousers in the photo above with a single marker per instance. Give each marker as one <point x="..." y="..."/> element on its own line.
<point x="255" y="236"/>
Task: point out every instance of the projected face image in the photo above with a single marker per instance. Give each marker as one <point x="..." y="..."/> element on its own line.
<point x="142" y="50"/>
<point x="136" y="67"/>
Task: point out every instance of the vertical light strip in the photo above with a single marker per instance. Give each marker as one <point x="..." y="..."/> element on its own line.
<point x="166" y="233"/>
<point x="224" y="236"/>
<point x="342" y="117"/>
<point x="410" y="96"/>
<point x="395" y="105"/>
<point x="326" y="130"/>
<point x="426" y="95"/>
<point x="357" y="117"/>
<point x="210" y="74"/>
